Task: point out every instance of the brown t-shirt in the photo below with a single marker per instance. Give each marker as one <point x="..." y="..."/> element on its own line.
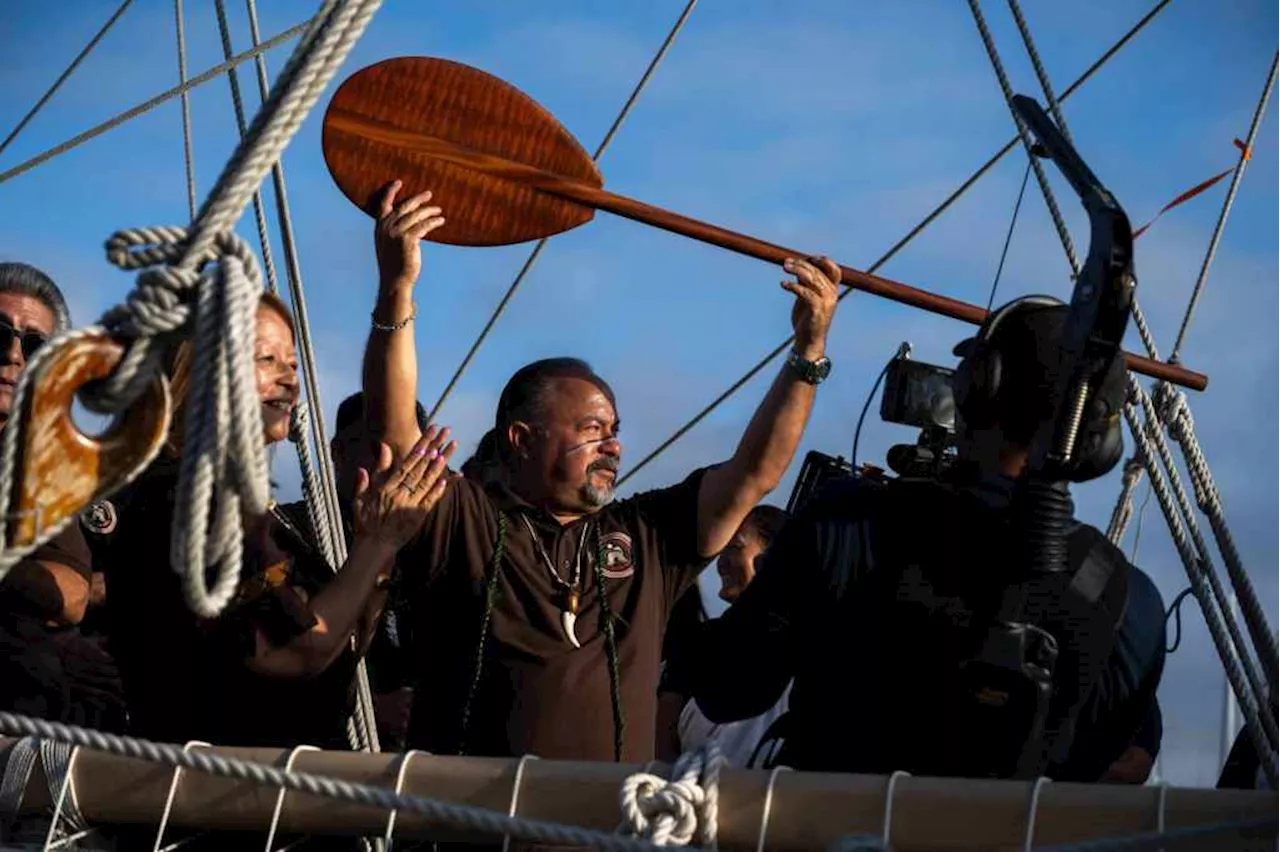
<point x="537" y="694"/>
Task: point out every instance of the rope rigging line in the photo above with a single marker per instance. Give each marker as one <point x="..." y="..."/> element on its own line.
<point x="898" y="246"/>
<point x="233" y="79"/>
<point x="62" y="78"/>
<point x="223" y="443"/>
<point x="1173" y="407"/>
<point x="1176" y="415"/>
<point x="1146" y="436"/>
<point x="467" y="817"/>
<point x="188" y="154"/>
<point x="362" y="730"/>
<point x="112" y="123"/>
<point x="1008" y="238"/>
<point x="537" y="249"/>
<point x="293" y="275"/>
<point x="1226" y="209"/>
<point x="1027" y="142"/>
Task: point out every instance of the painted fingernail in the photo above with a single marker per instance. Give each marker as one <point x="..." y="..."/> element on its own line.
<point x="432" y="454"/>
<point x="420" y="451"/>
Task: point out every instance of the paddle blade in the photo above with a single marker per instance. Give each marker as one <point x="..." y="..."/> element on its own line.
<point x="409" y="118"/>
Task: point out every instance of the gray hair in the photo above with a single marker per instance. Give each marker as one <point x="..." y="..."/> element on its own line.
<point x="26" y="279"/>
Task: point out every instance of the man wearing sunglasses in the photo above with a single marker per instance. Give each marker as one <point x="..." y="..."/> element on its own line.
<point x="45" y="664"/>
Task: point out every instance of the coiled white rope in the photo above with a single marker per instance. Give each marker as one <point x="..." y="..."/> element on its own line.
<point x="223" y="442"/>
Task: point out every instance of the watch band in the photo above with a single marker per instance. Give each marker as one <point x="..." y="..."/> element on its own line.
<point x="812" y="372"/>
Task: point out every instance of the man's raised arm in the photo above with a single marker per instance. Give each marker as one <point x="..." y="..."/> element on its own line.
<point x="391" y="357"/>
<point x="730" y="490"/>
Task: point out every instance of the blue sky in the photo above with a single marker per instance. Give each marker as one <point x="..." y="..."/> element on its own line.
<point x="830" y="126"/>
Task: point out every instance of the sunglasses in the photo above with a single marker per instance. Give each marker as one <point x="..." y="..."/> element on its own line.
<point x="30" y="341"/>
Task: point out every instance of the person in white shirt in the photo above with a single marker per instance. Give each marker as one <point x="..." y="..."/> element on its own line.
<point x="739" y="741"/>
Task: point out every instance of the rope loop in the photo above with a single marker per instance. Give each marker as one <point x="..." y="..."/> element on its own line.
<point x="670" y="812"/>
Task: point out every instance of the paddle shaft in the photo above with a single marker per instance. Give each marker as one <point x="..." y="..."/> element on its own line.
<point x="620" y="205"/>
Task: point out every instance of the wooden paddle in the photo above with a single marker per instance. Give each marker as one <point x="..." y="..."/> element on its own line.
<point x="506" y="171"/>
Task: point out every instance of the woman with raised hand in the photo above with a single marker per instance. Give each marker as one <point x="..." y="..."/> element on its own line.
<point x="277" y="666"/>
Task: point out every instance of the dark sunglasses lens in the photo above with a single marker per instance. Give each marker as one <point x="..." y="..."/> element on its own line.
<point x="31" y="341"/>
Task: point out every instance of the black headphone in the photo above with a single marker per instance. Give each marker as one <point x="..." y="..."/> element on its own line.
<point x="977" y="382"/>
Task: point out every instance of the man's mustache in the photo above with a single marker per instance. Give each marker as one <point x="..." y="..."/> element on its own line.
<point x="605" y="463"/>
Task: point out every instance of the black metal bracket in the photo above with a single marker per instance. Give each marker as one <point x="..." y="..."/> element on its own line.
<point x="1100" y="302"/>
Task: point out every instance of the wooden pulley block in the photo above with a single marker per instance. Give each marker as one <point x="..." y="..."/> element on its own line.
<point x="506" y="171"/>
<point x="60" y="470"/>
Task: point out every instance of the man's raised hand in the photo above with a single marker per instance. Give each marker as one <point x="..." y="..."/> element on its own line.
<point x="398" y="235"/>
<point x="817" y="290"/>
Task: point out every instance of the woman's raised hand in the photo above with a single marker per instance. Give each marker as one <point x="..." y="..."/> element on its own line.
<point x="393" y="501"/>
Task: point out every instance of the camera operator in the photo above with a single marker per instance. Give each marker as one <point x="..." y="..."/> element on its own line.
<point x="878" y="598"/>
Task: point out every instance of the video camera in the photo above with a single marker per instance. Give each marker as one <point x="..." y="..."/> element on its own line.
<point x="919" y="394"/>
<point x="915" y="394"/>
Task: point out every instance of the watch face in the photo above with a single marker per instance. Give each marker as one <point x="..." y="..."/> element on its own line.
<point x="822" y="367"/>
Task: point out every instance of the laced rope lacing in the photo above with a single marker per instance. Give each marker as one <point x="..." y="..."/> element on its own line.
<point x="1241" y="670"/>
<point x="223" y="443"/>
<point x="466" y="817"/>
<point x="673" y="812"/>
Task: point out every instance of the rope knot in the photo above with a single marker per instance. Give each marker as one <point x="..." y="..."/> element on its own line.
<point x="1171" y="406"/>
<point x="670" y="812"/>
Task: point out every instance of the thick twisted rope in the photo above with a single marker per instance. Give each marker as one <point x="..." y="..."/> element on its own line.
<point x="674" y="812"/>
<point x="1203" y="277"/>
<point x="188" y="156"/>
<point x="362" y="733"/>
<point x="1150" y="442"/>
<point x="466" y="817"/>
<point x="1172" y="407"/>
<point x="1204" y="566"/>
<point x="1123" y="512"/>
<point x="223" y="445"/>
<point x="293" y="268"/>
<point x="237" y="105"/>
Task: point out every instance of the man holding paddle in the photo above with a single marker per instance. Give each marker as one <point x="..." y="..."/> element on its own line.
<point x="536" y="602"/>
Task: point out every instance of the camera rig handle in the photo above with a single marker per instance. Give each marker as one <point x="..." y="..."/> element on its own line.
<point x="1100" y="303"/>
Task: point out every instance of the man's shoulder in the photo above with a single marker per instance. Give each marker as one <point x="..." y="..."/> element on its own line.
<point x="645" y="503"/>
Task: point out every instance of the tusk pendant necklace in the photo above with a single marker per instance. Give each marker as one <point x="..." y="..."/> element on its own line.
<point x="570" y="593"/>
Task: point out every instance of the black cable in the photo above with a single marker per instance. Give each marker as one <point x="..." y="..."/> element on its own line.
<point x="902" y="352"/>
<point x="1008" y="238"/>
<point x="1175" y="610"/>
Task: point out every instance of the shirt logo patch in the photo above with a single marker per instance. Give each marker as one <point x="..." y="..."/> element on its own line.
<point x="100" y="517"/>
<point x="617" y="555"/>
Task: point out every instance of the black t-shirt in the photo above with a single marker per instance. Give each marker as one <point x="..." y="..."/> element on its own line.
<point x="848" y="714"/>
<point x="537" y="694"/>
<point x="50" y="671"/>
<point x="186" y="677"/>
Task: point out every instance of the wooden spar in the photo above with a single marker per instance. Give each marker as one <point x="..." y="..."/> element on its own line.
<point x="346" y="127"/>
<point x="809" y="810"/>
